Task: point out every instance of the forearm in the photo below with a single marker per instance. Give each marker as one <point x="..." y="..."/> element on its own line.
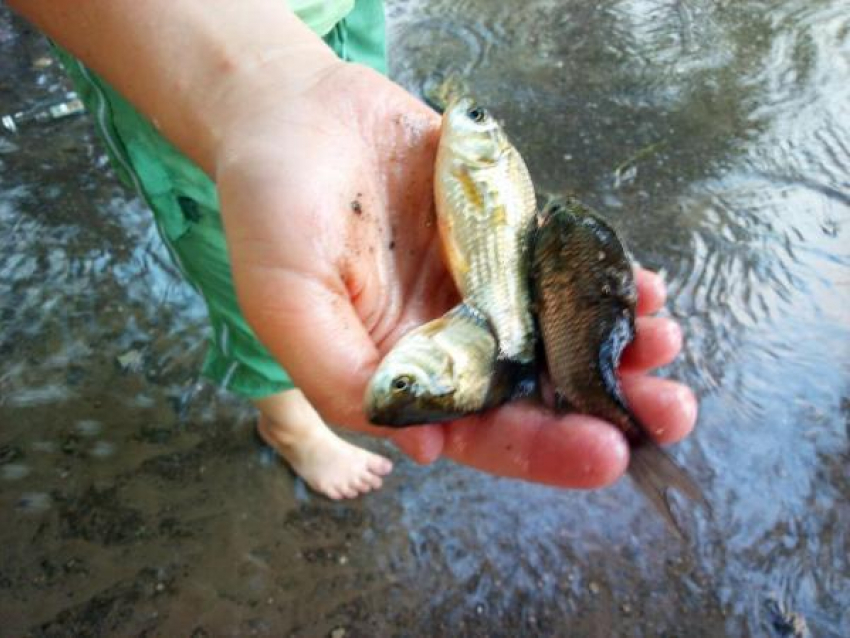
<point x="182" y="63"/>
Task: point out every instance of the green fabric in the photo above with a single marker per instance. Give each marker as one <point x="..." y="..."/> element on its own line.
<point x="185" y="203"/>
<point x="360" y="36"/>
<point x="321" y="15"/>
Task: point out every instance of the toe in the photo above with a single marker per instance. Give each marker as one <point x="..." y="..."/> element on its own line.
<point x="362" y="484"/>
<point x="375" y="481"/>
<point x="379" y="465"/>
<point x="331" y="492"/>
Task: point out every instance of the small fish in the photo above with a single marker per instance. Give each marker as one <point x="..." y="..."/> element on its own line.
<point x="440" y="371"/>
<point x="485" y="212"/>
<point x="585" y="297"/>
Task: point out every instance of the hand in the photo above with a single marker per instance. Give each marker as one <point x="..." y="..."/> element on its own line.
<point x="326" y="195"/>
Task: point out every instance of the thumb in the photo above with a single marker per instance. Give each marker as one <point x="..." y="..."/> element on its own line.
<point x="313" y="331"/>
<point x="326" y="350"/>
<point x="424" y="443"/>
<point x="288" y="289"/>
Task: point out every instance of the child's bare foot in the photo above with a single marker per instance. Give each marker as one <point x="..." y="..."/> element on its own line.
<point x="328" y="464"/>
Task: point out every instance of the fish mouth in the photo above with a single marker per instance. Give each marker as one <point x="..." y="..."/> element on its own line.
<point x="382" y="411"/>
<point x="406" y="414"/>
<point x="403" y="418"/>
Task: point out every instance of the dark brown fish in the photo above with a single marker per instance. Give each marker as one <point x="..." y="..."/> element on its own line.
<point x="585" y="297"/>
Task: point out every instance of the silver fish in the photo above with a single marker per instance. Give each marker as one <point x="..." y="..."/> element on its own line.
<point x="485" y="212"/>
<point x="440" y="371"/>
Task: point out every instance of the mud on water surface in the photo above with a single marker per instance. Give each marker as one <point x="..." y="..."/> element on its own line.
<point x="714" y="135"/>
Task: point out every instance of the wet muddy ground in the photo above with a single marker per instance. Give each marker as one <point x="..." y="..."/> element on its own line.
<point x="136" y="501"/>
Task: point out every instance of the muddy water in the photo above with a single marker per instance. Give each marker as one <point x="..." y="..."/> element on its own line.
<point x="713" y="134"/>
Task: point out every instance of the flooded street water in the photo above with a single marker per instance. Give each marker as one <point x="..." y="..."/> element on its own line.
<point x="715" y="135"/>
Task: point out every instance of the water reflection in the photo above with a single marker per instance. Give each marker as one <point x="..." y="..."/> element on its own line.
<point x="714" y="134"/>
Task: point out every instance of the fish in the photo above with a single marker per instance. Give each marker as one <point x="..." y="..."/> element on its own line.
<point x="439" y="371"/>
<point x="585" y="298"/>
<point x="486" y="207"/>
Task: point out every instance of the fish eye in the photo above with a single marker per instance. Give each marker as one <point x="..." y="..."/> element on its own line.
<point x="477" y="114"/>
<point x="402" y="383"/>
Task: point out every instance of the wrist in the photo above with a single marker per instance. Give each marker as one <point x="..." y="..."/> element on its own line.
<point x="189" y="67"/>
<point x="255" y="89"/>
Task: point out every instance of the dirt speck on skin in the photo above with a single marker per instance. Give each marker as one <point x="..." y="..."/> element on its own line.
<point x="392" y="236"/>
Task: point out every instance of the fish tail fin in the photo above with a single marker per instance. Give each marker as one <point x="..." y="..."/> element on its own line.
<point x="654" y="472"/>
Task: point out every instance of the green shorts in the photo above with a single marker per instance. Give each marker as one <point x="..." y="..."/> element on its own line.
<point x="185" y="203"/>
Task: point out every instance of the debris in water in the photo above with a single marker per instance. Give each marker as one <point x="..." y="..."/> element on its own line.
<point x="786" y="622"/>
<point x="42" y="114"/>
<point x="14" y="471"/>
<point x="102" y="449"/>
<point x="35" y="502"/>
<point x="131" y="361"/>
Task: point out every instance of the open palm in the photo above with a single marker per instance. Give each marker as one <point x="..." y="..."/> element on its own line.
<point x="327" y="201"/>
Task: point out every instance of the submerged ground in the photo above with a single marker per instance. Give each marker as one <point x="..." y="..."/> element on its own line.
<point x="715" y="135"/>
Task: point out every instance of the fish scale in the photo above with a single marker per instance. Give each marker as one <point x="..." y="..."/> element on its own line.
<point x="586" y="302"/>
<point x="584" y="294"/>
<point x="485" y="211"/>
<point x="586" y="298"/>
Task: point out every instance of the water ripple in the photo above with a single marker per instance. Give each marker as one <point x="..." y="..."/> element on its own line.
<point x="713" y="134"/>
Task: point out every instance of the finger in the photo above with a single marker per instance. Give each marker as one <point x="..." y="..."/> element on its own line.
<point x="667" y="408"/>
<point x="652" y="292"/>
<point x="657" y="342"/>
<point x="424" y="444"/>
<point x="577" y="451"/>
<point x="527" y="442"/>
